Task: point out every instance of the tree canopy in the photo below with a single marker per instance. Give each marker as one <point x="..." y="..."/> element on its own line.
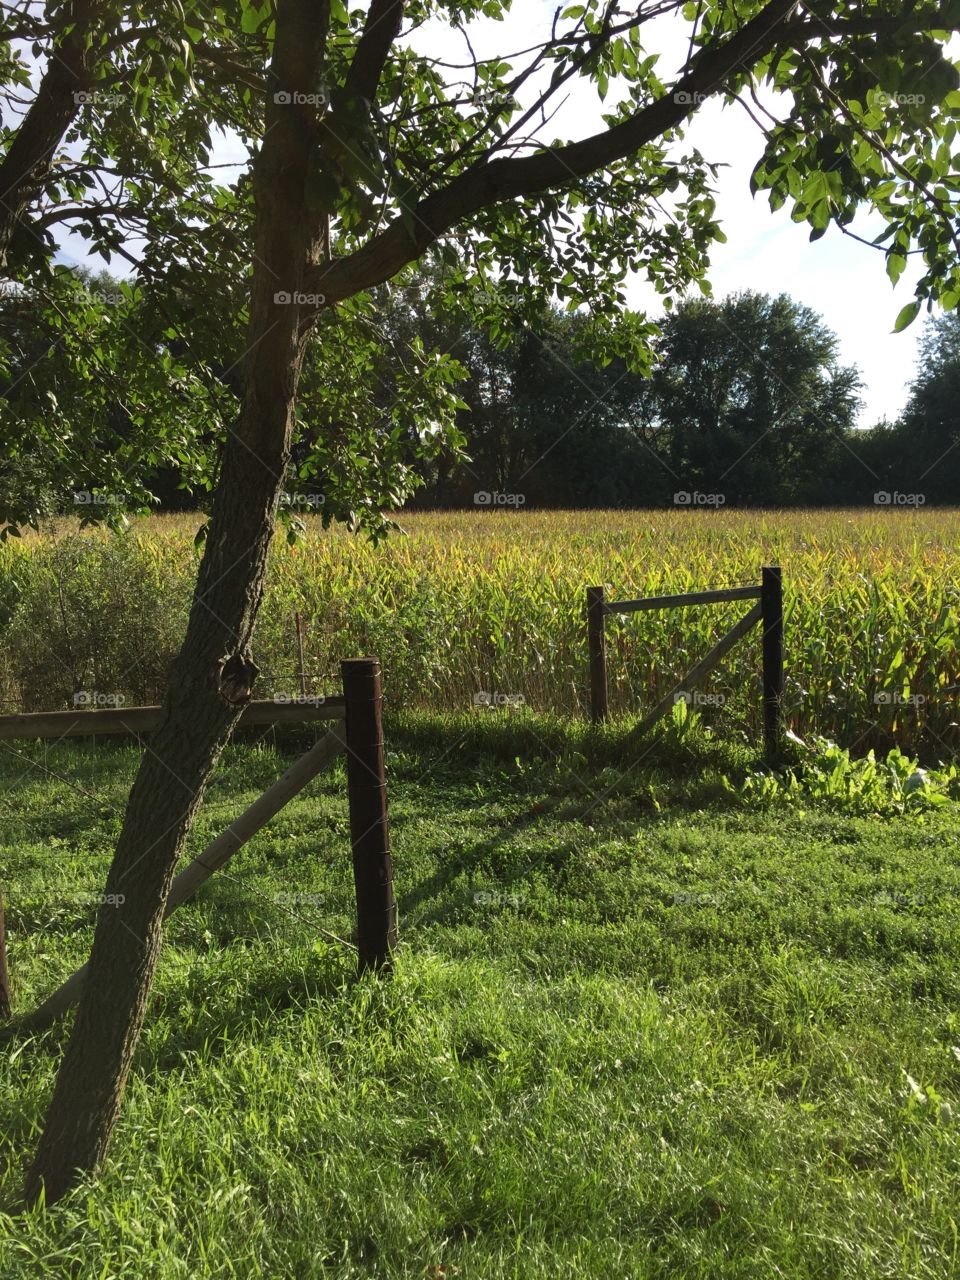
<point x="406" y="154"/>
<point x="920" y="452"/>
<point x="365" y="152"/>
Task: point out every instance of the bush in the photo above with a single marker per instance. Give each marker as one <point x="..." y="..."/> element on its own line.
<point x="97" y="613"/>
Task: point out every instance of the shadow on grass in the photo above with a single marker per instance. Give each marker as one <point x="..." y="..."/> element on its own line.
<point x="559" y="775"/>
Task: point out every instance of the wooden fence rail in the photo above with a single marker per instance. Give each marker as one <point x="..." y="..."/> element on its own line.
<point x="360" y="735"/>
<point x="769" y="612"/>
<point x="680" y="602"/>
<point x="137" y="720"/>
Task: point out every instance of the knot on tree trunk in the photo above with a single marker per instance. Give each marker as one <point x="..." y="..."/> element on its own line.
<point x="233" y="678"/>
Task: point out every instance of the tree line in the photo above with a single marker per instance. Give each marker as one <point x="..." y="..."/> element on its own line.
<point x="741" y="401"/>
<point x="746" y="402"/>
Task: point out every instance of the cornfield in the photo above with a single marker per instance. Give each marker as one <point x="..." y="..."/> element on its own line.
<point x="493" y="602"/>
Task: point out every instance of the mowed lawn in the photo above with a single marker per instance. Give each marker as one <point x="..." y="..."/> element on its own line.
<point x="637" y="1027"/>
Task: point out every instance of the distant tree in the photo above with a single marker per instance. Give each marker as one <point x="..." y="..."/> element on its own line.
<point x="543" y="417"/>
<point x="748" y="398"/>
<point x="927" y="459"/>
<point x="538" y="409"/>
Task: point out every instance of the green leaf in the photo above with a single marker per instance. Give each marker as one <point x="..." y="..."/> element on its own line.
<point x="907" y="316"/>
<point x="896" y="262"/>
<point x="250" y="18"/>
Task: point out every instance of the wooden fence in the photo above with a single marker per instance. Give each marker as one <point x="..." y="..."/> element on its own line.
<point x="357" y="731"/>
<point x="768" y="612"/>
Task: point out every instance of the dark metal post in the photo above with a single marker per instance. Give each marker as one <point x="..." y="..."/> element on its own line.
<point x="771" y="601"/>
<point x="4" y="976"/>
<point x="370" y="837"/>
<point x="596" y="643"/>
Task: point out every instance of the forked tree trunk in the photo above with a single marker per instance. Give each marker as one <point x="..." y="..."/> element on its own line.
<point x="213" y="676"/>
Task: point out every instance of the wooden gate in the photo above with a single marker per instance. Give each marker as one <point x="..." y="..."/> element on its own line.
<point x="769" y="612"/>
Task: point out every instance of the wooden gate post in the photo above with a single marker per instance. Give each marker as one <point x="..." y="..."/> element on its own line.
<point x="596" y="642"/>
<point x="4" y="976"/>
<point x="771" y="602"/>
<point x="367" y="791"/>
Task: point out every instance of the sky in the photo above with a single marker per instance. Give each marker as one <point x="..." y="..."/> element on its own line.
<point x="841" y="279"/>
<point x="844" y="281"/>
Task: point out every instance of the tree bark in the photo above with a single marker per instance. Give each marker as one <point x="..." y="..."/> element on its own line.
<point x="69" y="72"/>
<point x="213" y="676"/>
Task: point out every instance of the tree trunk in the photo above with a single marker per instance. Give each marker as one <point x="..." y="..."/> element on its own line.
<point x="214" y="675"/>
<point x="69" y="72"/>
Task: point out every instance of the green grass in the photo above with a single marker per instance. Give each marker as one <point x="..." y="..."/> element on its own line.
<point x="638" y="1027"/>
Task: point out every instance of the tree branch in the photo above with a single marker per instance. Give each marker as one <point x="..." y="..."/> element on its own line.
<point x="28" y="160"/>
<point x="502" y="179"/>
<point x="222" y="59"/>
<point x="381" y="30"/>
